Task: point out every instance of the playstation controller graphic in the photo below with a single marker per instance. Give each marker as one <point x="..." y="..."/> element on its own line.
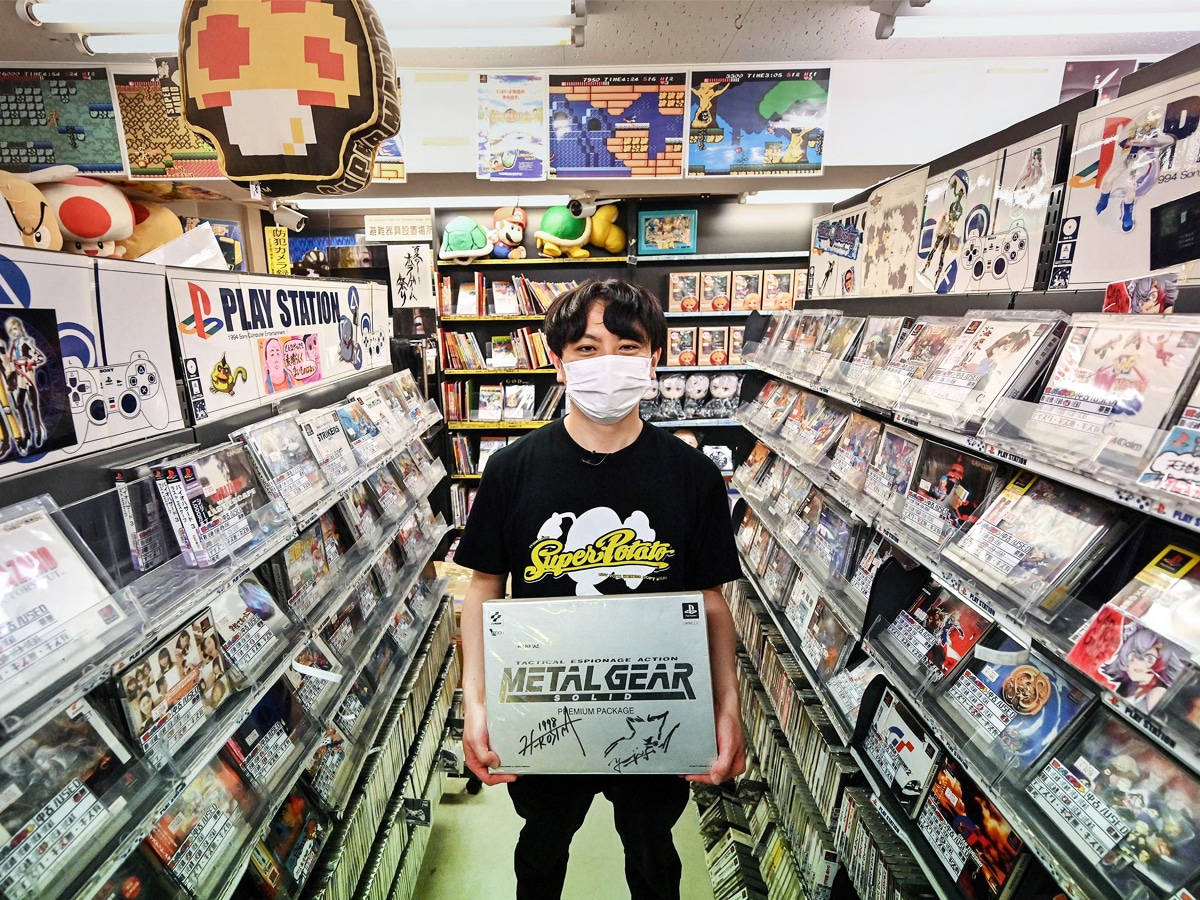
<point x="995" y="254"/>
<point x="110" y="394"/>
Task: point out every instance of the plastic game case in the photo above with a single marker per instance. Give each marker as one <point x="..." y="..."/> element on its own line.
<point x="287" y="853"/>
<point x="856" y="449"/>
<point x="880" y="338"/>
<point x="923" y="346"/>
<point x="937" y="631"/>
<point x="1017" y="710"/>
<point x="327" y="440"/>
<point x="299" y="568"/>
<point x="903" y="751"/>
<point x="268" y="735"/>
<point x="971" y="837"/>
<point x="824" y="640"/>
<point x="326" y="773"/>
<point x="360" y="512"/>
<point x="388" y="494"/>
<point x="314" y="672"/>
<point x="1165" y="595"/>
<point x="249" y="624"/>
<point x="947" y="489"/>
<point x="838" y="342"/>
<point x="831" y="537"/>
<point x="361" y="432"/>
<point x="1035" y="536"/>
<point x="292" y="472"/>
<point x="895" y="460"/>
<point x="1125" y="803"/>
<point x="1116" y="382"/>
<point x="140" y="876"/>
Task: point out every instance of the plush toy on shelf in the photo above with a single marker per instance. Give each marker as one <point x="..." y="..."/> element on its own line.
<point x="562" y="233"/>
<point x="154" y="225"/>
<point x="723" y="396"/>
<point x="508" y="231"/>
<point x="93" y="215"/>
<point x="464" y="240"/>
<point x="648" y="407"/>
<point x="671" y="389"/>
<point x="695" y="392"/>
<point x="35" y="220"/>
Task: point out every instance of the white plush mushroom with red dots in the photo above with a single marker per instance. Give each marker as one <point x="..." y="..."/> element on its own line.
<point x="92" y="214"/>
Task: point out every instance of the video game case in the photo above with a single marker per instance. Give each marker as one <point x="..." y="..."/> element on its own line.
<point x="169" y="692"/>
<point x="948" y="487"/>
<point x="322" y="430"/>
<point x="393" y="432"/>
<point x="299" y="570"/>
<point x="58" y="787"/>
<point x="848" y="686"/>
<point x="891" y="471"/>
<point x="268" y="736"/>
<point x="285" y="463"/>
<point x="1162" y="595"/>
<point x="349" y="716"/>
<point x="200" y="823"/>
<point x="903" y="751"/>
<point x="937" y="631"/>
<point x="214" y="493"/>
<point x="148" y="530"/>
<point x="250" y="626"/>
<point x="326" y="772"/>
<point x="388" y="494"/>
<point x="838" y="343"/>
<point x="314" y="673"/>
<point x="358" y="510"/>
<point x="363" y="435"/>
<point x="913" y="358"/>
<point x="139" y="877"/>
<point x="283" y="859"/>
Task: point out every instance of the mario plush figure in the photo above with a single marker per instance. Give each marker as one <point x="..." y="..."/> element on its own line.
<point x="93" y="215"/>
<point x="508" y="231"/>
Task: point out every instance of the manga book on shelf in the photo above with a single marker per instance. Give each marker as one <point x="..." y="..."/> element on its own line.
<point x="1124" y="656"/>
<point x="996" y="355"/>
<point x="891" y="471"/>
<point x="968" y="834"/>
<point x="1036" y="540"/>
<point x="268" y="736"/>
<point x="283" y="859"/>
<point x="855" y="450"/>
<point x="824" y="640"/>
<point x="946" y="490"/>
<point x="286" y="464"/>
<point x="1015" y="711"/>
<point x="314" y="673"/>
<point x="1123" y="802"/>
<point x="1165" y="595"/>
<point x="903" y="751"/>
<point x="322" y="430"/>
<point x="198" y="824"/>
<point x="937" y="631"/>
<point x="54" y="610"/>
<point x="249" y="625"/>
<point x="1117" y="381"/>
<point x="299" y="569"/>
<point x="171" y="690"/>
<point x="54" y="795"/>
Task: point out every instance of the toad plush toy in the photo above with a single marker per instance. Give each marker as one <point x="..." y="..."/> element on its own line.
<point x="93" y="215"/>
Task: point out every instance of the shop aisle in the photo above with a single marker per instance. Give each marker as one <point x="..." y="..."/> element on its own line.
<point x="470" y="851"/>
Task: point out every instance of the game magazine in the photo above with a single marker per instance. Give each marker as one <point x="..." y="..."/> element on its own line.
<point x="946" y="490"/>
<point x="937" y="631"/>
<point x="1124" y="803"/>
<point x="621" y="685"/>
<point x="1036" y="540"/>
<point x="903" y="751"/>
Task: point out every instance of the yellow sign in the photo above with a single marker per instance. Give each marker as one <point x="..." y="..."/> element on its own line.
<point x="278" y="261"/>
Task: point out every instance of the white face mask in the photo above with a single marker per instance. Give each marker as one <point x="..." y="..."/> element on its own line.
<point x="607" y="388"/>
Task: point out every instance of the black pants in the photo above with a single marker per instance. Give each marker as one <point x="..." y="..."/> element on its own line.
<point x="645" y="807"/>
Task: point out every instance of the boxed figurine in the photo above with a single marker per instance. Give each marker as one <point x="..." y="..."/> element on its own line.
<point x="611" y="684"/>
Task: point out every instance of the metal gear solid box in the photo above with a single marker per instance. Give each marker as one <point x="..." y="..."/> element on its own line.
<point x="589" y="685"/>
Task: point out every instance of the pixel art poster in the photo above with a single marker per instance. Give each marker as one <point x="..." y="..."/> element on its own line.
<point x="617" y="125"/>
<point x="52" y="117"/>
<point x="758" y="122"/>
<point x="157" y="140"/>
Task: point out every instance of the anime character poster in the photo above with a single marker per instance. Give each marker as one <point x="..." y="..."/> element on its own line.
<point x="835" y="254"/>
<point x="59" y="117"/>
<point x="617" y="125"/>
<point x="958" y="208"/>
<point x="35" y="398"/>
<point x="1132" y="193"/>
<point x="769" y="122"/>
<point x="1150" y="295"/>
<point x="891" y="234"/>
<point x="512" y="138"/>
<point x="158" y="142"/>
<point x="1124" y="656"/>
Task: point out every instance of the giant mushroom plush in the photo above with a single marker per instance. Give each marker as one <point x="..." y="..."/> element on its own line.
<point x="296" y="95"/>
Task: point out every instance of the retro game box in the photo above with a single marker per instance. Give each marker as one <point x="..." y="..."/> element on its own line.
<point x="610" y="684"/>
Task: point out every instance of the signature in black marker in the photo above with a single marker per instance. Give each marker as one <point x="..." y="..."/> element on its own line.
<point x="549" y="732"/>
<point x="641" y="743"/>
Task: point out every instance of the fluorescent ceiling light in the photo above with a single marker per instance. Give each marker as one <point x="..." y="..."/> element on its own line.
<point x="141" y="44"/>
<point x="925" y="25"/>
<point x="421" y="38"/>
<point x="827" y="195"/>
<point x="536" y="201"/>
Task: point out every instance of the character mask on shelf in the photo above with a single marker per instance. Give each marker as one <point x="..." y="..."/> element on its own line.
<point x="723" y="394"/>
<point x="671" y="389"/>
<point x="695" y="391"/>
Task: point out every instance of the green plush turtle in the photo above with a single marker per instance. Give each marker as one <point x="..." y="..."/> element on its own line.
<point x="464" y="240"/>
<point x="560" y="232"/>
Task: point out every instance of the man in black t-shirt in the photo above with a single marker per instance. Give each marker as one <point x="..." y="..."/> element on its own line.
<point x="598" y="472"/>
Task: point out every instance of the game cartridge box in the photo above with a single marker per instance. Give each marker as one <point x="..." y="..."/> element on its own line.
<point x="613" y="684"/>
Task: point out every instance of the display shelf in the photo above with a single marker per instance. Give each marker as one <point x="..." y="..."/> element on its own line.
<point x="520" y="317"/>
<point x="704" y="314"/>
<point x="716" y="257"/>
<point x="667" y="370"/>
<point x="788" y="631"/>
<point x="457" y="477"/>
<point x="545" y="371"/>
<point x="501" y="426"/>
<point x="693" y="423"/>
<point x="532" y="261"/>
<point x="906" y="830"/>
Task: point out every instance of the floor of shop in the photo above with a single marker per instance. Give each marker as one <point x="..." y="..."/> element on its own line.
<point x="470" y="851"/>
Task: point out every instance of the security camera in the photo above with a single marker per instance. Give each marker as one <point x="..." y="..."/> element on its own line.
<point x="288" y="216"/>
<point x="582" y="208"/>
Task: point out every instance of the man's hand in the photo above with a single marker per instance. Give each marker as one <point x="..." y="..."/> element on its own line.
<point x="731" y="752"/>
<point x="477" y="748"/>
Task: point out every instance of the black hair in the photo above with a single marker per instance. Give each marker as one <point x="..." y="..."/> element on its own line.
<point x="630" y="312"/>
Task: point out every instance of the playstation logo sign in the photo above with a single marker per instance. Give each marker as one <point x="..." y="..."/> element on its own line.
<point x="691" y="610"/>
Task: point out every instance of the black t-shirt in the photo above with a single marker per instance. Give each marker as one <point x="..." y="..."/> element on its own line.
<point x="652" y="516"/>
